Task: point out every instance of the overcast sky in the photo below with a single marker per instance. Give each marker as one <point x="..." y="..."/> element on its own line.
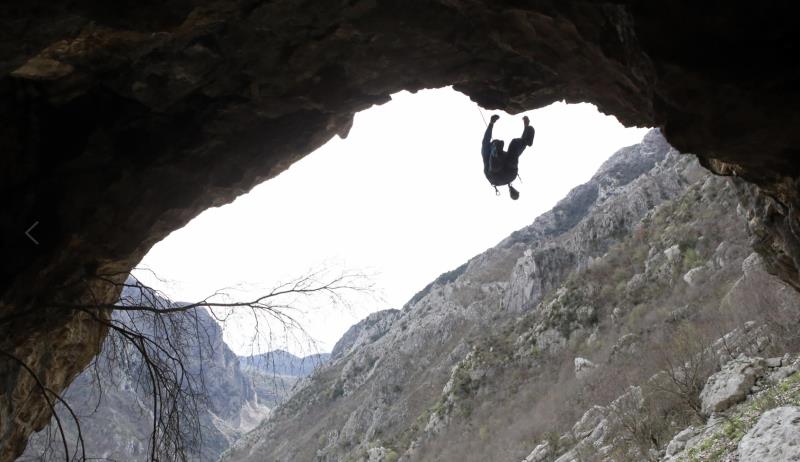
<point x="402" y="198"/>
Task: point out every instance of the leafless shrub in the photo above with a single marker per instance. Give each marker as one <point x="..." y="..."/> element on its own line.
<point x="687" y="359"/>
<point x="760" y="298"/>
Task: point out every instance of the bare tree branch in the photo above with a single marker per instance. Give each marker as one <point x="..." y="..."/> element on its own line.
<point x="154" y="339"/>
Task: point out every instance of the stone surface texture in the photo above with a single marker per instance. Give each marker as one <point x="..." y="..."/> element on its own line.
<point x="123" y="120"/>
<point x="678" y="442"/>
<point x="732" y="384"/>
<point x="583" y="367"/>
<point x="774" y="438"/>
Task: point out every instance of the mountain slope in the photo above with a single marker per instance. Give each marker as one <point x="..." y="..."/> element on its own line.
<point x="381" y="394"/>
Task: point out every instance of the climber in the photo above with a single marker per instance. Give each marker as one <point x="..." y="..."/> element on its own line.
<point x="500" y="167"/>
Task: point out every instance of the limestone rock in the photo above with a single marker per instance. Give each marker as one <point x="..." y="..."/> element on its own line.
<point x="539" y="454"/>
<point x="720" y="257"/>
<point x="625" y="346"/>
<point x="696" y="276"/>
<point x="731" y="385"/>
<point x="774" y="438"/>
<point x="787" y="368"/>
<point x="551" y="340"/>
<point x="583" y="367"/>
<point x="636" y="282"/>
<point x="365" y="331"/>
<point x="590" y="420"/>
<point x="673" y="253"/>
<point x="753" y="264"/>
<point x="617" y="314"/>
<point x="773" y="362"/>
<point x="678" y="442"/>
<point x="379" y="454"/>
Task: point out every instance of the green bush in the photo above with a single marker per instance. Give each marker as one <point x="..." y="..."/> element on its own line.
<point x="391" y="456"/>
<point x="691" y="259"/>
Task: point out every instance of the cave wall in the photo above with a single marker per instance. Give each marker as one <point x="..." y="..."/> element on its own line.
<point x="123" y="120"/>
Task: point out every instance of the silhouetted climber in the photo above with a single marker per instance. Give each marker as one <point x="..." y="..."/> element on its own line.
<point x="500" y="167"/>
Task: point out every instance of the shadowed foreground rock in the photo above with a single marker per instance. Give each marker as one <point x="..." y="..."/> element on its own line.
<point x="123" y="120"/>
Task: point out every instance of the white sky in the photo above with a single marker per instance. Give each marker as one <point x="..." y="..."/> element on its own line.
<point x="402" y="198"/>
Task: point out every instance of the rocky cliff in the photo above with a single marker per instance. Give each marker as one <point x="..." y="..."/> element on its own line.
<point x="497" y="354"/>
<point x="163" y="109"/>
<point x="275" y="374"/>
<point x="280" y="362"/>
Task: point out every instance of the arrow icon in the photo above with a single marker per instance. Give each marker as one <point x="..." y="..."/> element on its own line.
<point x="28" y="233"/>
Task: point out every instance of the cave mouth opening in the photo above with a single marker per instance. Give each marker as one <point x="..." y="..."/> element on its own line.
<point x="402" y="199"/>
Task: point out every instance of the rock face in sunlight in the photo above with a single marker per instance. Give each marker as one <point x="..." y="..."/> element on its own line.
<point x="498" y="358"/>
<point x="121" y="123"/>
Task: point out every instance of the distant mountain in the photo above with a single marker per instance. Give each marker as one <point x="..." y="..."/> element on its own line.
<point x="281" y="362"/>
<point x="275" y="375"/>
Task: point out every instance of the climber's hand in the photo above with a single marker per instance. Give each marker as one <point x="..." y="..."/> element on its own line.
<point x="526" y="121"/>
<point x="494" y="118"/>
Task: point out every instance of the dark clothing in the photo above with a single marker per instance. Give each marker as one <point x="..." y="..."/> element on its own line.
<point x="500" y="167"/>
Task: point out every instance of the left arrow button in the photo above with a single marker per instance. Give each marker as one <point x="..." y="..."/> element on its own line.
<point x="28" y="233"/>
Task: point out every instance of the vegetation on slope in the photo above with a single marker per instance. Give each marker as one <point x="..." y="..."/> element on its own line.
<point x="633" y="312"/>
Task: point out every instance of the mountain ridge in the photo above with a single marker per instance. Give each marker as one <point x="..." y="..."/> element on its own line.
<point x="381" y="388"/>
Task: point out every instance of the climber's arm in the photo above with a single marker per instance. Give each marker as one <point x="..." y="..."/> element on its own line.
<point x="487" y="136"/>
